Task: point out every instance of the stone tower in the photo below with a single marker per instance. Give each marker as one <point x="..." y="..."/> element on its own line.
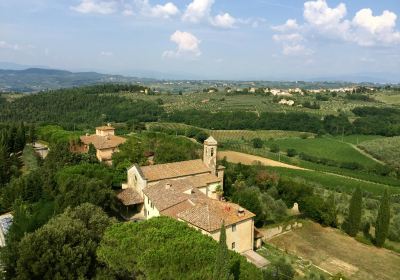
<point x="210" y="154"/>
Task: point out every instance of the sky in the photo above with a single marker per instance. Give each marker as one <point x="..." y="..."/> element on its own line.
<point x="205" y="39"/>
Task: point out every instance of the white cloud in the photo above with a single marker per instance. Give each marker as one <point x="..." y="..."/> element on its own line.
<point x="290" y="25"/>
<point x="14" y="47"/>
<point x="104" y="7"/>
<point x="319" y="13"/>
<point x="370" y="29"/>
<point x="164" y="11"/>
<point x="187" y="44"/>
<point x="224" y="21"/>
<point x="127" y="12"/>
<point x="296" y="50"/>
<point x="321" y="20"/>
<point x="198" y="10"/>
<point x="142" y="7"/>
<point x="293" y="37"/>
<point x="106" y="53"/>
<point x="5" y="45"/>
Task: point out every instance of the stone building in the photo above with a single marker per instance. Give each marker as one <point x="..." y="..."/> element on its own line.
<point x="105" y="141"/>
<point x="190" y="191"/>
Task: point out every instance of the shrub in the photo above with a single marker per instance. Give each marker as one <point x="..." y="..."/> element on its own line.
<point x="201" y="136"/>
<point x="291" y="152"/>
<point x="257" y="143"/>
<point x="274" y="148"/>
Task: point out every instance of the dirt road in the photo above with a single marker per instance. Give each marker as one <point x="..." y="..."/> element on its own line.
<point x="236" y="157"/>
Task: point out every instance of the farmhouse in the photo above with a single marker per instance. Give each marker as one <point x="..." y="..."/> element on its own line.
<point x="105" y="141"/>
<point x="191" y="191"/>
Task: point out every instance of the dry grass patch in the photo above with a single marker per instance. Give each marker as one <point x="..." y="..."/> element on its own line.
<point x="335" y="252"/>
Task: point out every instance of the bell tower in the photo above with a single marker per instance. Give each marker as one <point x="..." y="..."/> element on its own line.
<point x="210" y="154"/>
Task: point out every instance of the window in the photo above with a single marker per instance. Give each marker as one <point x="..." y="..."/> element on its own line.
<point x="233" y="227"/>
<point x="233" y="245"/>
<point x="212" y="152"/>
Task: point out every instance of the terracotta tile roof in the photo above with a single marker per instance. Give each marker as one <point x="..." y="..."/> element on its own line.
<point x="103" y="142"/>
<point x="174" y="170"/>
<point x="208" y="214"/>
<point x="129" y="197"/>
<point x="201" y="180"/>
<point x="168" y="193"/>
<point x="181" y="200"/>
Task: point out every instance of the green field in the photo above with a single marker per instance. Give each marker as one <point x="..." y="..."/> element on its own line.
<point x="247" y="135"/>
<point x="389" y="97"/>
<point x="385" y="149"/>
<point x="357" y="138"/>
<point x="366" y="176"/>
<point x="324" y="148"/>
<point x="335" y="182"/>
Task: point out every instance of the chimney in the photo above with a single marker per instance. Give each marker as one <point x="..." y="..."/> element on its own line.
<point x="240" y="212"/>
<point x="108" y="124"/>
<point x="168" y="186"/>
<point x="87" y="134"/>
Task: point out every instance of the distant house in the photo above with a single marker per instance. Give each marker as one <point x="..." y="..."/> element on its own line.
<point x="286" y="102"/>
<point x="191" y="191"/>
<point x="105" y="141"/>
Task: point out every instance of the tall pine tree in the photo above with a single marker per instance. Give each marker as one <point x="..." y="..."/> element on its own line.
<point x="222" y="269"/>
<point x="353" y="221"/>
<point x="383" y="220"/>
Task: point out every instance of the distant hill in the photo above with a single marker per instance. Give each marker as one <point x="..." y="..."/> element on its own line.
<point x="37" y="79"/>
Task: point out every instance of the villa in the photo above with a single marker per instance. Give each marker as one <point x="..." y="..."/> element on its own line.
<point x="191" y="191"/>
<point x="105" y="141"/>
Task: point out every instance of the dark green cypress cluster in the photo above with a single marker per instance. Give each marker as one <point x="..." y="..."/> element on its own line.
<point x="353" y="221"/>
<point x="383" y="220"/>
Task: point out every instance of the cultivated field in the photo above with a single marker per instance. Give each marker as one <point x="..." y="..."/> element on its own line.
<point x="236" y="157"/>
<point x="385" y="149"/>
<point x="324" y="148"/>
<point x="336" y="252"/>
<point x="221" y="101"/>
<point x="248" y="135"/>
<point x="389" y="97"/>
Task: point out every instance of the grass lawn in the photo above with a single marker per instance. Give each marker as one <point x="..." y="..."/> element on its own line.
<point x="334" y="251"/>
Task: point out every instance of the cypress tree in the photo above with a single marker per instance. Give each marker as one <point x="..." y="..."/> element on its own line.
<point x="383" y="220"/>
<point x="353" y="221"/>
<point x="222" y="270"/>
<point x="32" y="134"/>
<point x="4" y="164"/>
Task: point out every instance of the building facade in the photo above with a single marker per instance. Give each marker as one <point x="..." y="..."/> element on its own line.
<point x="191" y="191"/>
<point x="105" y="141"/>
